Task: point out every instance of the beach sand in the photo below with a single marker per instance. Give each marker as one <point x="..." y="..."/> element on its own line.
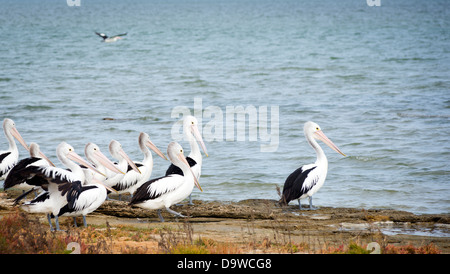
<point x="262" y="226"/>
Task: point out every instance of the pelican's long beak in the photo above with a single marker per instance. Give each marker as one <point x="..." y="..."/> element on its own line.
<point x="321" y="136"/>
<point x="183" y="159"/>
<point x="199" y="138"/>
<point x="77" y="158"/>
<point x="19" y="138"/>
<point x="129" y="161"/>
<point x="45" y="158"/>
<point x="155" y="149"/>
<point x="106" y="162"/>
<point x="107" y="187"/>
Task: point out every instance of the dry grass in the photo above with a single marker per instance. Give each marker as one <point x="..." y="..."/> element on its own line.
<point x="24" y="234"/>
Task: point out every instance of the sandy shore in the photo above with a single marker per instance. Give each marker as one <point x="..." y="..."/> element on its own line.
<point x="251" y="223"/>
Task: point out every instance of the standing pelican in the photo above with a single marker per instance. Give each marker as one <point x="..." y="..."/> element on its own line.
<point x="83" y="199"/>
<point x="14" y="178"/>
<point x="132" y="179"/>
<point x="50" y="178"/>
<point x="192" y="134"/>
<point x="110" y="39"/>
<point x="10" y="157"/>
<point x="308" y="179"/>
<point x="165" y="191"/>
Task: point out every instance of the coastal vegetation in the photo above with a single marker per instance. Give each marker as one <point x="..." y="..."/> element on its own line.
<point x="21" y="233"/>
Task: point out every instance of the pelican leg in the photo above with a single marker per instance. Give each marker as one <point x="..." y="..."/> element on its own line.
<point x="75" y="221"/>
<point x="57" y="223"/>
<point x="160" y="216"/>
<point x="190" y="200"/>
<point x="49" y="218"/>
<point x="299" y="204"/>
<point x="311" y="207"/>
<point x="175" y="213"/>
<point x="84" y="221"/>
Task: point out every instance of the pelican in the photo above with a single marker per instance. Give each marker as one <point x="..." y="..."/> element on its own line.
<point x="83" y="199"/>
<point x="35" y="151"/>
<point x="51" y="179"/>
<point x="110" y="39"/>
<point x="125" y="163"/>
<point x="101" y="162"/>
<point x="10" y="157"/>
<point x="308" y="179"/>
<point x="192" y="134"/>
<point x="165" y="191"/>
<point x="133" y="179"/>
<point x="14" y="178"/>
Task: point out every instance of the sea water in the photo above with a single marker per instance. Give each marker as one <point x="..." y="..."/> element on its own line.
<point x="375" y="78"/>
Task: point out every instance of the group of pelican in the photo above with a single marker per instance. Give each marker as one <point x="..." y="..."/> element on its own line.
<point x="79" y="190"/>
<point x="83" y="185"/>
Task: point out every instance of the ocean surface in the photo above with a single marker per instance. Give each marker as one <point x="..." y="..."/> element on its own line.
<point x="375" y="78"/>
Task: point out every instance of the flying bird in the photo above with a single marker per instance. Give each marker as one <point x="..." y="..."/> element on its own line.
<point x="109" y="39"/>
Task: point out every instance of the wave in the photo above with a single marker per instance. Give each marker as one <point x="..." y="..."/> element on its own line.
<point x="37" y="107"/>
<point x="419" y="115"/>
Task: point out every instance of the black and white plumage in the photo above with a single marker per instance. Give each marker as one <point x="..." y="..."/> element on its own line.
<point x="135" y="177"/>
<point x="125" y="163"/>
<point x="166" y="191"/>
<point x="9" y="157"/>
<point x="308" y="179"/>
<point x="15" y="177"/>
<point x="109" y="39"/>
<point x="192" y="134"/>
<point x="83" y="198"/>
<point x="55" y="181"/>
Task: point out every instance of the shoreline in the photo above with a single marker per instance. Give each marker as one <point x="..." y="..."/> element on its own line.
<point x="250" y="223"/>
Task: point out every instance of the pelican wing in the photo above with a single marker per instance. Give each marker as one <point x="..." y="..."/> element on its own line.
<point x="173" y="169"/>
<point x="130" y="178"/>
<point x="298" y="183"/>
<point x="44" y="176"/>
<point x="23" y="195"/>
<point x="78" y="196"/>
<point x="102" y="35"/>
<point x="156" y="187"/>
<point x="123" y="34"/>
<point x="17" y="174"/>
<point x="3" y="155"/>
<point x="5" y="165"/>
<point x="137" y="164"/>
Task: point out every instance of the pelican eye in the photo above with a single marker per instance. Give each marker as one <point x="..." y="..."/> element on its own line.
<point x="317" y="128"/>
<point x="192" y="122"/>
